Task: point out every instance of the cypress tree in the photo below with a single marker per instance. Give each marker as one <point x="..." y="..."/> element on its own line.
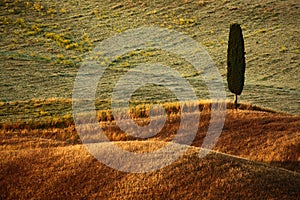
<point x="236" y="61"/>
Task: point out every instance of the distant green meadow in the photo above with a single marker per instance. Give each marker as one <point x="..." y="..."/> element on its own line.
<point x="44" y="43"/>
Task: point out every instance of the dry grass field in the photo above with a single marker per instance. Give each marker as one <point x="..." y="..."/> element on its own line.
<point x="42" y="46"/>
<point x="257" y="157"/>
<point x="71" y="172"/>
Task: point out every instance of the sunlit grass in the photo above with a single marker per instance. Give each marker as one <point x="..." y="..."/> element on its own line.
<point x="41" y="152"/>
<point x="53" y="118"/>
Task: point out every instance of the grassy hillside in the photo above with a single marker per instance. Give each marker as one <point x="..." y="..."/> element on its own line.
<point x="38" y="163"/>
<point x="42" y="46"/>
<point x="44" y="42"/>
<point x="71" y="172"/>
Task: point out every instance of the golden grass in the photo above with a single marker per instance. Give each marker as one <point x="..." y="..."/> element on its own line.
<point x="71" y="172"/>
<point x="58" y="125"/>
<point x="253" y="134"/>
<point x="40" y="152"/>
<point x="39" y="162"/>
<point x="53" y="112"/>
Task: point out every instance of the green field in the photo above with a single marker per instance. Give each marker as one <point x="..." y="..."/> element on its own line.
<point x="43" y="44"/>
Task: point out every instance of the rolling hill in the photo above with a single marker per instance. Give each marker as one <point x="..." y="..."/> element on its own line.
<point x="264" y="165"/>
<point x="42" y="47"/>
<point x="71" y="172"/>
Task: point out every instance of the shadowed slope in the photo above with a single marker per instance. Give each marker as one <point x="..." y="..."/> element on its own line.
<point x="72" y="172"/>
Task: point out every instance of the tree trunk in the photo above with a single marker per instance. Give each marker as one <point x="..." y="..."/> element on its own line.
<point x="235" y="101"/>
